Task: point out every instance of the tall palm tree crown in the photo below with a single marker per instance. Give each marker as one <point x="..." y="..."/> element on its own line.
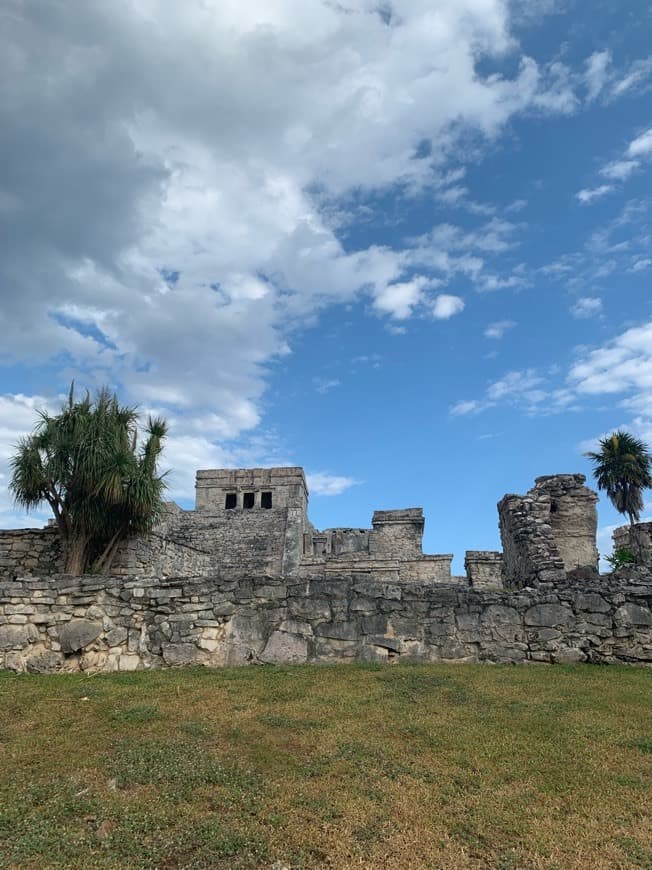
<point x="622" y="468"/>
<point x="87" y="464"/>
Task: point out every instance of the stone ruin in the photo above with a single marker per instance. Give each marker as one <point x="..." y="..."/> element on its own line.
<point x="255" y="520"/>
<point x="550" y="531"/>
<point x="245" y="577"/>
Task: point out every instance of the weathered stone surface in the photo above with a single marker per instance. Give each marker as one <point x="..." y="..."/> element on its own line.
<point x="549" y="615"/>
<point x="117" y="636"/>
<point x="43" y="662"/>
<point x="549" y="531"/>
<point x="283" y="648"/>
<point x="179" y="654"/>
<point x="633" y="615"/>
<point x="77" y="634"/>
<point x="591" y="601"/>
<point x="13" y="637"/>
<point x="568" y="656"/>
<point x="496" y="614"/>
<point x="416" y="622"/>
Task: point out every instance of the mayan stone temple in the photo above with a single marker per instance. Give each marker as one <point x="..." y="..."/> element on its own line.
<point x="246" y="578"/>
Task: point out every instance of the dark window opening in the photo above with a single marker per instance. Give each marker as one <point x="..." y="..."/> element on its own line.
<point x="553" y="507"/>
<point x="266" y="500"/>
<point x="231" y="501"/>
<point x="248" y="500"/>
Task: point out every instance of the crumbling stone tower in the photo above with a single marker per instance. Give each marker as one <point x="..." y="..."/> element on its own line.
<point x="549" y="531"/>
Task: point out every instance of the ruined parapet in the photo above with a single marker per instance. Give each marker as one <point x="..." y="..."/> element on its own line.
<point x="573" y="518"/>
<point x="484" y="569"/>
<point x="27" y="552"/>
<point x="638" y="540"/>
<point x="397" y="533"/>
<point x="549" y="531"/>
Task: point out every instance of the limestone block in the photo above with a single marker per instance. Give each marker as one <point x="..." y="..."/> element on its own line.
<point x="283" y="648"/>
<point x="43" y="662"/>
<point x="591" y="601"/>
<point x="92" y="660"/>
<point x="549" y="615"/>
<point x="15" y="637"/>
<point x="632" y="614"/>
<point x="117" y="636"/>
<point x="310" y="608"/>
<point x="128" y="662"/>
<point x="331" y="650"/>
<point x="175" y="654"/>
<point x="497" y="614"/>
<point x="569" y="656"/>
<point x="337" y="630"/>
<point x="78" y="634"/>
<point x="452" y="651"/>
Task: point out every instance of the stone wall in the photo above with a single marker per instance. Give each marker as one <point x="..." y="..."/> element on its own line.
<point x="155" y="555"/>
<point x="637" y="539"/>
<point x="484" y="569"/>
<point x="25" y="552"/>
<point x="105" y="624"/>
<point x="549" y="531"/>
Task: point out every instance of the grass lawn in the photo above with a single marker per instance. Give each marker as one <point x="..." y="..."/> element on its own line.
<point x="338" y="766"/>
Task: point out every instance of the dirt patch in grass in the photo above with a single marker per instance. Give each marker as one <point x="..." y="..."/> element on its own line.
<point x="352" y="766"/>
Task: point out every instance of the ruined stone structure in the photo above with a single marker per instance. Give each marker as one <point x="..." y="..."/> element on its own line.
<point x="638" y="540"/>
<point x="549" y="531"/>
<point x="245" y="577"/>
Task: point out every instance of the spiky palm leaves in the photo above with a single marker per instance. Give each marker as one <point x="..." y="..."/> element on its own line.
<point x="101" y="485"/>
<point x="622" y="470"/>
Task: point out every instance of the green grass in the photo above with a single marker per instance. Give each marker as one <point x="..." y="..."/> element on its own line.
<point x="351" y="766"/>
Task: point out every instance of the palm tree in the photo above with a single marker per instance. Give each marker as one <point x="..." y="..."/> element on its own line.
<point x="622" y="469"/>
<point x="87" y="464"/>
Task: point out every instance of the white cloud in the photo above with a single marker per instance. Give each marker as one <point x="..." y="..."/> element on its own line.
<point x="446" y="306"/>
<point x="641" y="146"/>
<point x="171" y="200"/>
<point x="526" y="390"/>
<point x="632" y="79"/>
<point x="640" y="264"/>
<point x="499" y="328"/>
<point x="324" y="483"/>
<point x="588" y="195"/>
<point x="623" y="364"/>
<point x="619" y="170"/>
<point x="587" y="306"/>
<point x="18" y="417"/>
<point x="400" y="299"/>
<point x="597" y="74"/>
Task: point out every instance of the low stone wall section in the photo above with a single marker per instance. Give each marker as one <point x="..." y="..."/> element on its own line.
<point x="30" y="552"/>
<point x="108" y="624"/>
<point x="154" y="554"/>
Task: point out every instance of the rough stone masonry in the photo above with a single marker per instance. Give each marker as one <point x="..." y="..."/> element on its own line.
<point x="246" y="578"/>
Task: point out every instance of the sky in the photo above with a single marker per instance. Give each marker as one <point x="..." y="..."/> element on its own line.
<point x="405" y="245"/>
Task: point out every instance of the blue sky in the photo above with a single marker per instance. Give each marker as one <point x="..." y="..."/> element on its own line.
<point x="406" y="245"/>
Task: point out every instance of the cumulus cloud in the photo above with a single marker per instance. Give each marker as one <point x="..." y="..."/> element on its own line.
<point x="171" y="172"/>
<point x="525" y="389"/>
<point x="586" y="306"/>
<point x="623" y="365"/>
<point x="324" y="483"/>
<point x="446" y="306"/>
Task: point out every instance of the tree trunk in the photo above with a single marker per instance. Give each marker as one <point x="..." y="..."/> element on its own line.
<point x="104" y="562"/>
<point x="76" y="556"/>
